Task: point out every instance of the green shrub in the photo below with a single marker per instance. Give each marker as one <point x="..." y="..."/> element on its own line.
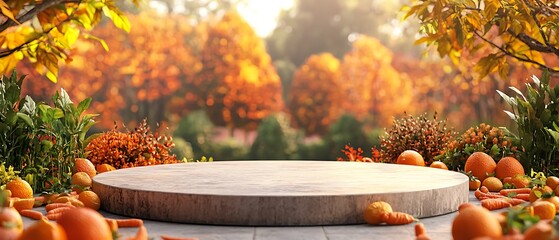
<point x="182" y="149"/>
<point x="314" y="150"/>
<point x="228" y="149"/>
<point x="275" y="139"/>
<point x="197" y="129"/>
<point x="536" y="115"/>
<point x="374" y="135"/>
<point x="345" y="131"/>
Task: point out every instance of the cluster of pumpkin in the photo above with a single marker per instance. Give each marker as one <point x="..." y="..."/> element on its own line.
<point x="70" y="215"/>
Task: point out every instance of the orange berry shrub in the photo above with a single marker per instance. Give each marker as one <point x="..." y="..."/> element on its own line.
<point x="140" y="147"/>
<point x="481" y="138"/>
<point x="238" y="82"/>
<point x="429" y="137"/>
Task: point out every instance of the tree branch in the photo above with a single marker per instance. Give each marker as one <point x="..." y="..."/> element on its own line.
<point x="510" y="54"/>
<point x="34" y="11"/>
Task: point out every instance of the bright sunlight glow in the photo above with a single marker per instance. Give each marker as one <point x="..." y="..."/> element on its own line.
<point x="262" y="15"/>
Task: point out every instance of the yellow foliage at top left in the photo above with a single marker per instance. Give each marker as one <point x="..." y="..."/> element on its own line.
<point x="44" y="32"/>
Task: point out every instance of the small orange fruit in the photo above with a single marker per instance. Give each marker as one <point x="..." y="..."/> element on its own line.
<point x="24" y="203"/>
<point x="20" y="188"/>
<point x="76" y="203"/>
<point x="438" y="164"/>
<point x="85" y="224"/>
<point x="508" y="167"/>
<point x="80" y="181"/>
<point x="410" y="157"/>
<point x="521" y="181"/>
<point x="539" y="231"/>
<point x="373" y="213"/>
<point x="554" y="200"/>
<point x="84" y="165"/>
<point x="544" y="209"/>
<point x="90" y="200"/>
<point x="474" y="184"/>
<point x="11" y="224"/>
<point x="493" y="184"/>
<point x="473" y="222"/>
<point x="480" y="165"/>
<point x="62" y="199"/>
<point x="101" y="168"/>
<point x="552" y="182"/>
<point x="538" y="192"/>
<point x="44" y="230"/>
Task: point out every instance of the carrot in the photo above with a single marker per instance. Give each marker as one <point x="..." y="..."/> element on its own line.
<point x="52" y="206"/>
<point x="523" y="196"/>
<point x="514" y="201"/>
<point x="397" y="218"/>
<point x="494" y="204"/>
<point x="506" y="192"/>
<point x="419" y="229"/>
<point x="477" y="193"/>
<point x="165" y="237"/>
<point x="480" y="195"/>
<point x="484" y="189"/>
<point x="142" y="234"/>
<point x="36" y="215"/>
<point x="57" y="212"/>
<point x="130" y="222"/>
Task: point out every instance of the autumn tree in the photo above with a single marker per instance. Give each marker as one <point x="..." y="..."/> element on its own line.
<point x="44" y="32"/>
<point x="141" y="75"/>
<point x="239" y="84"/>
<point x="525" y="31"/>
<point x="315" y="99"/>
<point x="371" y="85"/>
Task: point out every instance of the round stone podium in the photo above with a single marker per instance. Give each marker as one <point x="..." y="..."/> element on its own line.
<point x="277" y="193"/>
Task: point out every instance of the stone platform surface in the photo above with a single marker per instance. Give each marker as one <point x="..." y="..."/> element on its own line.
<point x="277" y="193"/>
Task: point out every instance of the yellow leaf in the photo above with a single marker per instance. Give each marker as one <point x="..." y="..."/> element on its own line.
<point x="119" y="20"/>
<point x="52" y="77"/>
<point x="7" y="12"/>
<point x="101" y="41"/>
<point x="71" y="35"/>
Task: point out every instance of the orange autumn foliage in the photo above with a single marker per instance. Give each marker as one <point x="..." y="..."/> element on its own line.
<point x="315" y="100"/>
<point x="239" y="85"/>
<point x="371" y="85"/>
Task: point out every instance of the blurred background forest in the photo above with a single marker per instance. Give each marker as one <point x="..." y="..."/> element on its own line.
<point x="293" y="79"/>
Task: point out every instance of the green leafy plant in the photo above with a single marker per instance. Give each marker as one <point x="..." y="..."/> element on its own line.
<point x="40" y="141"/>
<point x="6" y="175"/>
<point x="429" y="137"/>
<point x="536" y="115"/>
<point x="481" y="138"/>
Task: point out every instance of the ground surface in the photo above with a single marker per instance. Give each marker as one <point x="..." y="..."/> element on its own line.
<point x="437" y="227"/>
